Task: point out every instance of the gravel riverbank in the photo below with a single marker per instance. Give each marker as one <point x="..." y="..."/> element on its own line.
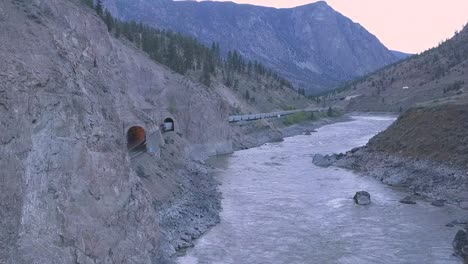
<point x="425" y="150"/>
<point x="189" y="215"/>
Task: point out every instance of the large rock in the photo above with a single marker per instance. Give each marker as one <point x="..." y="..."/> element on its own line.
<point x="362" y="198"/>
<point x="438" y="203"/>
<point x="460" y="243"/>
<point x="323" y="161"/>
<point x="408" y="200"/>
<point x="464" y="205"/>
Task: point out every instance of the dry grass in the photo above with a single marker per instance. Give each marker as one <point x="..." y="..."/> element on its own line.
<point x="438" y="133"/>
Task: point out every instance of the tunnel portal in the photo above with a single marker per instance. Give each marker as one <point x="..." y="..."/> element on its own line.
<point x="136" y="139"/>
<point x="168" y="125"/>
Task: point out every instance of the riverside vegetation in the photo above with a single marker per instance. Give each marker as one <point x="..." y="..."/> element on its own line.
<point x="310" y="116"/>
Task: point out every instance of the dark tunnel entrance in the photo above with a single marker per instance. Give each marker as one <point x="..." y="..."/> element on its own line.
<point x="136" y="139"/>
<point x="168" y="125"/>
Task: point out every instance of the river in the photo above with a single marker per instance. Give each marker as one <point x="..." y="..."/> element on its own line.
<point x="280" y="208"/>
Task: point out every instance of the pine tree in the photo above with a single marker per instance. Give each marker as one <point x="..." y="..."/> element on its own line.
<point x="249" y="68"/>
<point x="99" y="8"/>
<point x="172" y="54"/>
<point x="206" y="78"/>
<point x="247" y="95"/>
<point x="109" y="20"/>
<point x="182" y="53"/>
<point x="213" y="47"/>
<point x="88" y="3"/>
<point x="330" y="111"/>
<point x="117" y="30"/>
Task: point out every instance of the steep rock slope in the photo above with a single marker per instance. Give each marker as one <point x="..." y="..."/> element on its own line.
<point x="69" y="192"/>
<point x="313" y="45"/>
<point x="439" y="74"/>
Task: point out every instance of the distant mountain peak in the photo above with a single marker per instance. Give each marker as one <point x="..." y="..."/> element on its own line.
<point x="321" y="5"/>
<point x="313" y="45"/>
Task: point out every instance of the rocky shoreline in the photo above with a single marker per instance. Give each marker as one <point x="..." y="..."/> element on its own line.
<point x="428" y="178"/>
<point x="427" y="160"/>
<point x="431" y="181"/>
<point x="188" y="216"/>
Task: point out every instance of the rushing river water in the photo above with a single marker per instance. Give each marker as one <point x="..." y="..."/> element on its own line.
<point x="280" y="208"/>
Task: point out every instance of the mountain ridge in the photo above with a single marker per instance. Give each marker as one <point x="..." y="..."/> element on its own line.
<point x="401" y="55"/>
<point x="437" y="75"/>
<point x="312" y="45"/>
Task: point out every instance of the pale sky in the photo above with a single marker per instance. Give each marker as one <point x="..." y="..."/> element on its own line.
<point x="405" y="25"/>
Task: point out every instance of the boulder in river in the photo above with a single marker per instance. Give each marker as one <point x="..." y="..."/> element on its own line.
<point x="464" y="205"/>
<point x="323" y="161"/>
<point x="408" y="200"/>
<point x="362" y="198"/>
<point x="308" y="133"/>
<point x="438" y="203"/>
<point x="460" y="243"/>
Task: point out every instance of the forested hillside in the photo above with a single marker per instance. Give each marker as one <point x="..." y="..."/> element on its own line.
<point x="313" y="45"/>
<point x="255" y="84"/>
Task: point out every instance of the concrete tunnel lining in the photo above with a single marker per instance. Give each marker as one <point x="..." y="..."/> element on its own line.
<point x="168" y="124"/>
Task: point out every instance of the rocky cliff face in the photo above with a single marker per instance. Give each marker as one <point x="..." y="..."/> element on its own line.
<point x="69" y="192"/>
<point x="312" y="45"/>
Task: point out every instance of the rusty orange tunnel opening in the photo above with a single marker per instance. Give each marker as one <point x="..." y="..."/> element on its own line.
<point x="136" y="137"/>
